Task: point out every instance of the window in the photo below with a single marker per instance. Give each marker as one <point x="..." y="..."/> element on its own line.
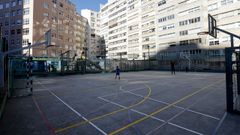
<point x="163" y="19"/>
<point x="162" y="2"/>
<point x="6" y="23"/>
<point x="213" y="7"/>
<point x="7" y="14"/>
<point x="19" y="22"/>
<point x="6" y="32"/>
<point x="19" y="12"/>
<point x="13" y="22"/>
<point x="183" y="33"/>
<point x="25" y="31"/>
<point x="1" y="6"/>
<point x="14" y="13"/>
<point x="19" y="31"/>
<point x="19" y="2"/>
<point x="25" y="1"/>
<point x="25" y="11"/>
<point x="45" y="5"/>
<point x="225" y="2"/>
<point x="25" y="21"/>
<point x="7" y="5"/>
<point x="18" y="41"/>
<point x="25" y="41"/>
<point x="13" y="3"/>
<point x="12" y="32"/>
<point x="45" y="14"/>
<point x="12" y="42"/>
<point x="189" y="21"/>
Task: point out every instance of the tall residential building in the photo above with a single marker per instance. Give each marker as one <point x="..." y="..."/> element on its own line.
<point x="81" y="35"/>
<point x="161" y="29"/>
<point x="27" y="20"/>
<point x="96" y="46"/>
<point x="16" y="23"/>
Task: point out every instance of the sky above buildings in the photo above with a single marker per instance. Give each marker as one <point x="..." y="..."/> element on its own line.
<point x="88" y="4"/>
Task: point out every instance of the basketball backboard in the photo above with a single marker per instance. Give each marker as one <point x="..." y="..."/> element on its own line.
<point x="212" y="24"/>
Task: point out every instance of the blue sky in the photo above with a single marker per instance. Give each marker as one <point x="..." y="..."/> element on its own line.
<point x="89" y="4"/>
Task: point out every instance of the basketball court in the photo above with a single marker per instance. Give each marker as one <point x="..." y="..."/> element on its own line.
<point x="149" y="102"/>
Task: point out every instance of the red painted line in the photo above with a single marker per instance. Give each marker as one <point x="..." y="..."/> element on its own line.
<point x="50" y="128"/>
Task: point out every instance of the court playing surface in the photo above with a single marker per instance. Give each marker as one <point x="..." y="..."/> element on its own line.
<point x="149" y="102"/>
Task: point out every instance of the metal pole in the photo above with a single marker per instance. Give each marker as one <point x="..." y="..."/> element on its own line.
<point x="105" y="61"/>
<point x="85" y="60"/>
<point x="148" y="57"/>
<point x="229" y="80"/>
<point x="120" y="60"/>
<point x="144" y="56"/>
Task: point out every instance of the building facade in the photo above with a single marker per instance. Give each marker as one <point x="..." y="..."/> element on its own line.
<point x="165" y="29"/>
<point x="81" y="35"/>
<point x="96" y="45"/>
<point x="26" y="21"/>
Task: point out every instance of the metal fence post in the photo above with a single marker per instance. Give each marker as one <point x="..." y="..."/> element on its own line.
<point x="229" y="80"/>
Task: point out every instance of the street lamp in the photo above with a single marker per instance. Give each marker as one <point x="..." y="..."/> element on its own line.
<point x="144" y="57"/>
<point x="148" y="56"/>
<point x="85" y="62"/>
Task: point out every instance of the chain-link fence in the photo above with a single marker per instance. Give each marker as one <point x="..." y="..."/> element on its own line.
<point x="215" y="64"/>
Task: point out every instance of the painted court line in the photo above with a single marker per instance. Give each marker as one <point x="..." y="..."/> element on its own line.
<point x="174" y="105"/>
<point x="105" y="115"/>
<point x="108" y="101"/>
<point x="219" y="124"/>
<point x="113" y="94"/>
<point x="162" y="109"/>
<point x="185" y="109"/>
<point x="153" y="117"/>
<point x="50" y="128"/>
<point x="76" y="112"/>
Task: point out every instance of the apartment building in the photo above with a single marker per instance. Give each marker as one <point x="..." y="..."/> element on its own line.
<point x="117" y="29"/>
<point x="166" y="29"/>
<point x="81" y="35"/>
<point x="15" y="23"/>
<point x="96" y="46"/>
<point x="26" y="21"/>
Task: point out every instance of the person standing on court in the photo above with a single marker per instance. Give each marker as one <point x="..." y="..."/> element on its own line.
<point x="172" y="67"/>
<point x="117" y="73"/>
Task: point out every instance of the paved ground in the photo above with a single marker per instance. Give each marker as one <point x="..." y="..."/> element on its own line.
<point x="140" y="103"/>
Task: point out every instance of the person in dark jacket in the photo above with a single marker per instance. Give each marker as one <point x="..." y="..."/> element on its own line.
<point x="172" y="67"/>
<point x="117" y="73"/>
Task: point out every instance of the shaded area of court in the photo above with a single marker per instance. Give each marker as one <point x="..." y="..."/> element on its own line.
<point x="140" y="103"/>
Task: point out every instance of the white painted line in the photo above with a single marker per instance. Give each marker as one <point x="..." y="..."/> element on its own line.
<point x="121" y="92"/>
<point x="130" y="109"/>
<point x="219" y="124"/>
<point x="206" y="115"/>
<point x="76" y="112"/>
<point x="185" y="109"/>
<point x="189" y="130"/>
<point x="185" y="128"/>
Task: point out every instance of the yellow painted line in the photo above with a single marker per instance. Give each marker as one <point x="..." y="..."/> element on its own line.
<point x="105" y="115"/>
<point x="161" y="109"/>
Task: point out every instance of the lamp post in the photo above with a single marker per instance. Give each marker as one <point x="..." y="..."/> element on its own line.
<point x="144" y="58"/>
<point x="120" y="60"/>
<point x="105" y="61"/>
<point x="148" y="57"/>
<point x="85" y="62"/>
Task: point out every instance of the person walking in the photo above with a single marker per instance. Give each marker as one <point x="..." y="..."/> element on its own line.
<point x="172" y="67"/>
<point x="117" y="73"/>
